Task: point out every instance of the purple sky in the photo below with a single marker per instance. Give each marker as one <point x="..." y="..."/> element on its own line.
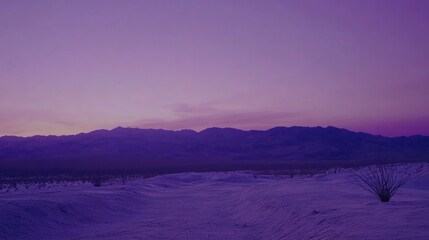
<point x="73" y="66"/>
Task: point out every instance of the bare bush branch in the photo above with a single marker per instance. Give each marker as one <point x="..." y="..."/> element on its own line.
<point x="383" y="181"/>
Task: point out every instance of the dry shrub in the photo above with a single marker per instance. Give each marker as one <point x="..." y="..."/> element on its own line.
<point x="383" y="181"/>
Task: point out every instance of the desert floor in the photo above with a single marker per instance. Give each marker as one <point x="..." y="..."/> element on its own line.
<point x="226" y="205"/>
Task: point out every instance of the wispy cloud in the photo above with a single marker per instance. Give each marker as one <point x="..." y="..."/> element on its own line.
<point x="206" y="115"/>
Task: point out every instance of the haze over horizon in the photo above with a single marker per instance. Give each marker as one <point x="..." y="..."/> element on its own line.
<point x="200" y="130"/>
<point x="75" y="66"/>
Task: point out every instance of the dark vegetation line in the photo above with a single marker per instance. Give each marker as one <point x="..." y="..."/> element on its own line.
<point x="18" y="178"/>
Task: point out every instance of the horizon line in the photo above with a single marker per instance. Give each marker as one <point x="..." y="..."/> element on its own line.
<point x="188" y="129"/>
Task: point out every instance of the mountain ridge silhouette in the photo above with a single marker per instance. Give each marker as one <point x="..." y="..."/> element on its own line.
<point x="157" y="148"/>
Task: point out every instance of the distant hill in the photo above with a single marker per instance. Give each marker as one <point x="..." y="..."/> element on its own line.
<point x="216" y="148"/>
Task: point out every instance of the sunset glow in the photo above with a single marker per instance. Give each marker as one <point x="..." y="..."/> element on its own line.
<point x="74" y="66"/>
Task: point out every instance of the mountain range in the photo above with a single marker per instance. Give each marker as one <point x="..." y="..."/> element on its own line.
<point x="217" y="148"/>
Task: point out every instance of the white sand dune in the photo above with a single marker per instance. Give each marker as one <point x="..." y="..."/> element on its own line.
<point x="232" y="205"/>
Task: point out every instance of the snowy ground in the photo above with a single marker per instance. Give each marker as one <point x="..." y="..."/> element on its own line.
<point x="232" y="205"/>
